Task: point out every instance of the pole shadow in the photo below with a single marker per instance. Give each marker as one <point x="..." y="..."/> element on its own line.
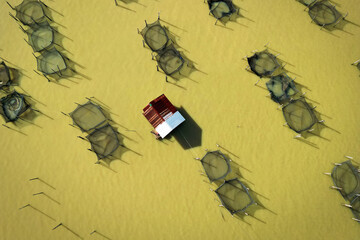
<point x="36" y="209"/>
<point x="67" y="228"/>
<point x="46" y="195"/>
<point x="42" y="181"/>
<point x="100" y="234"/>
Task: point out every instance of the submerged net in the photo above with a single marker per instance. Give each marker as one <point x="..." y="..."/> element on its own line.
<point x="41" y="36"/>
<point x="104" y="141"/>
<point x="216" y="165"/>
<point x="31" y="12"/>
<point x="306" y="2"/>
<point x="221" y="8"/>
<point x="51" y="62"/>
<point x="299" y="115"/>
<point x="88" y="116"/>
<point x="263" y="63"/>
<point x="323" y="13"/>
<point x="281" y="87"/>
<point x="347" y="178"/>
<point x="13" y="105"/>
<point x="355" y="207"/>
<point x="155" y="36"/>
<point x="234" y="196"/>
<point x="170" y="60"/>
<point x="4" y="75"/>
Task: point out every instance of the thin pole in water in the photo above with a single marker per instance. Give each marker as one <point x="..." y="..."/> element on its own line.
<point x="27" y="205"/>
<point x="60" y="224"/>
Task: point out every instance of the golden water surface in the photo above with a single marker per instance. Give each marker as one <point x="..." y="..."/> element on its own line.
<point x="160" y="193"/>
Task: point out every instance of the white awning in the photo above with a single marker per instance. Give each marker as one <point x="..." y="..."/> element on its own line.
<point x="170" y="124"/>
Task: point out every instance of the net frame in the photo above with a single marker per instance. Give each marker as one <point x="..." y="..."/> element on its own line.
<point x="306" y="107"/>
<point x="27" y="19"/>
<point x="41" y="60"/>
<point x="287" y="84"/>
<point x="229" y="3"/>
<point x="151" y="28"/>
<point x="5" y="77"/>
<point x="79" y="108"/>
<point x="355" y="207"/>
<point x="6" y="100"/>
<point x="162" y="59"/>
<point x="323" y="7"/>
<point x="355" y="173"/>
<point x="257" y="57"/>
<point x="34" y="38"/>
<point x="217" y="153"/>
<point x="95" y="147"/>
<point x="243" y="188"/>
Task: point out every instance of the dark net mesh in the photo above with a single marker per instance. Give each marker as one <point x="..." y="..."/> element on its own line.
<point x="104" y="141"/>
<point x="51" y="62"/>
<point x="13" y="105"/>
<point x="221" y="8"/>
<point x="306" y="2"/>
<point x="299" y="115"/>
<point x="263" y="63"/>
<point x="234" y="196"/>
<point x="170" y="60"/>
<point x="347" y="178"/>
<point x="88" y="116"/>
<point x="41" y="36"/>
<point x="355" y="207"/>
<point x="30" y="12"/>
<point x="155" y="36"/>
<point x="281" y="88"/>
<point x="216" y="165"/>
<point x="323" y="13"/>
<point x="4" y="75"/>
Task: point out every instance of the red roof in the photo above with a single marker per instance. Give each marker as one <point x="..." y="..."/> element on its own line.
<point x="158" y="109"/>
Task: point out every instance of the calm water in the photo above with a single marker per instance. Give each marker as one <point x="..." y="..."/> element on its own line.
<point x="161" y="194"/>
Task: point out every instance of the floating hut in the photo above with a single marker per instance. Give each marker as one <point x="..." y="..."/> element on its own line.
<point x="163" y="116"/>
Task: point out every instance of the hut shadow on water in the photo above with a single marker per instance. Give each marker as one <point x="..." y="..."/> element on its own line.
<point x="189" y="133"/>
